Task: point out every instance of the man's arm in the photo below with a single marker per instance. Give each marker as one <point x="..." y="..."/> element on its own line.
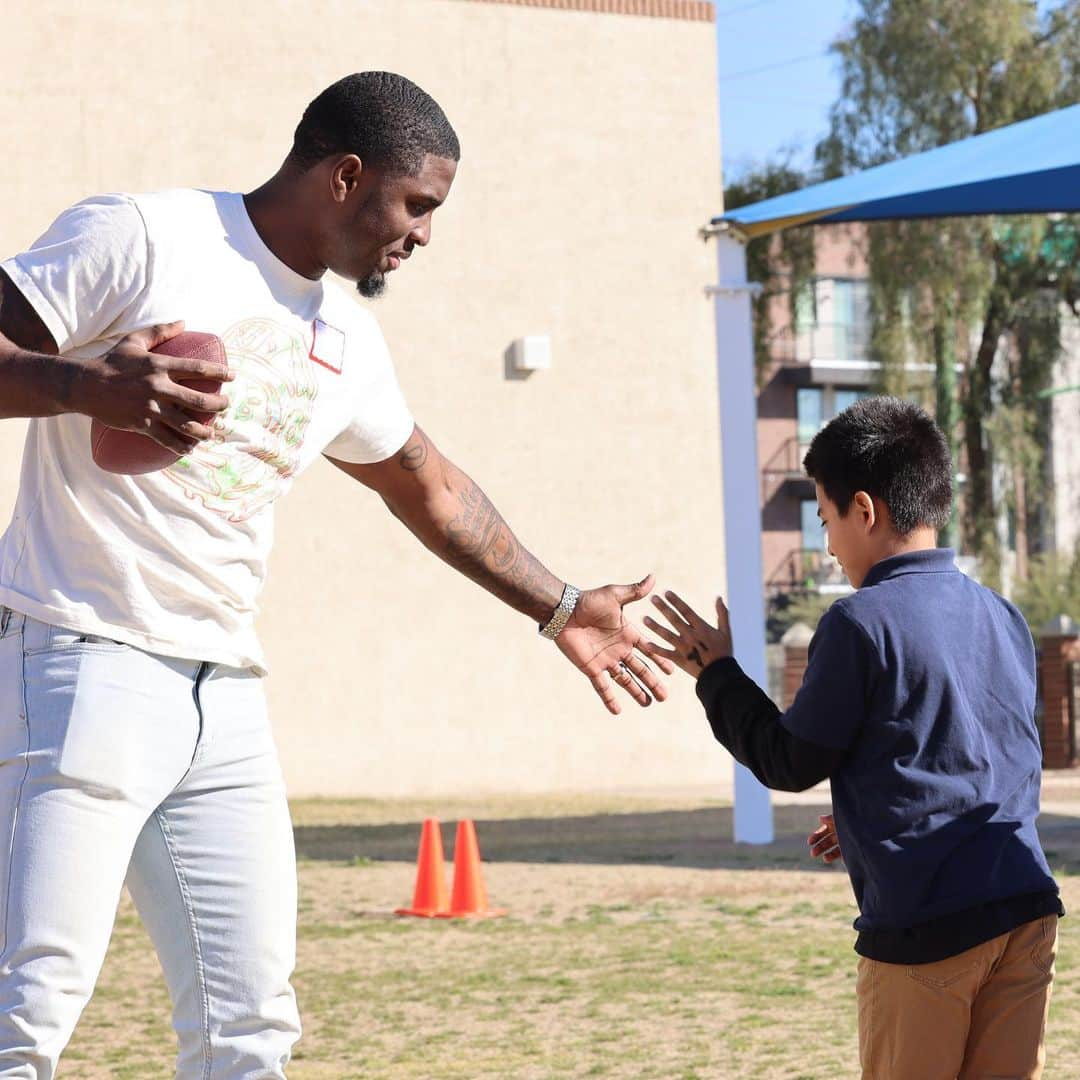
<point x="128" y="388"/>
<point x="452" y="517"/>
<point x="742" y="716"/>
<point x="35" y="382"/>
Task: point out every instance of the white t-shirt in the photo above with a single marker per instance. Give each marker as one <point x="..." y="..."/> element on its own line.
<point x="173" y="561"/>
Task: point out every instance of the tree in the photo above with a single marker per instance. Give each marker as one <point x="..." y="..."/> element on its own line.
<point x="1052" y="589"/>
<point x="919" y="74"/>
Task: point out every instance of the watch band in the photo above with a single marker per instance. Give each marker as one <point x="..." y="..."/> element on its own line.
<point x="562" y="613"/>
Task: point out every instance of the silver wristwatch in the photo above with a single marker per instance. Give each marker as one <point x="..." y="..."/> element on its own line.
<point x="569" y="600"/>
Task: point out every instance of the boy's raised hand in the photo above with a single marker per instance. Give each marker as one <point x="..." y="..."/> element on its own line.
<point x="694" y="643"/>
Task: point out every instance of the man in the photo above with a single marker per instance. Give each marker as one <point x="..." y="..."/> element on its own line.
<point x="133" y="734"/>
<point x="918" y="704"/>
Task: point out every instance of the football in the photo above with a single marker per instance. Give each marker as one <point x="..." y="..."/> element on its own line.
<point x="132" y="453"/>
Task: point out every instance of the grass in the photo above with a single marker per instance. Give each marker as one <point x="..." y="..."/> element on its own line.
<point x="652" y="949"/>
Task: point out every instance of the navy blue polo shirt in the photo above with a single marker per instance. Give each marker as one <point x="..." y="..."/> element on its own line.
<point x="926" y="680"/>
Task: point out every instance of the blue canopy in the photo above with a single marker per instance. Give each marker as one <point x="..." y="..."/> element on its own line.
<point x="1027" y="168"/>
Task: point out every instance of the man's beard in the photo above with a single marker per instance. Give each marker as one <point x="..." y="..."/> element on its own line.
<point x="372" y="286"/>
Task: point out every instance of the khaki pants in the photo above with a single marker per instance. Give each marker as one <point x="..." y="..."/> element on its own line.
<point x="980" y="1015"/>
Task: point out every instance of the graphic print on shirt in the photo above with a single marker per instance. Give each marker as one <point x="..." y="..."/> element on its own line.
<point x="261" y="433"/>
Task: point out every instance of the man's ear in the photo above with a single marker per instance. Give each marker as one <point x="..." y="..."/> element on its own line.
<point x="345" y="176"/>
<point x="866" y="508"/>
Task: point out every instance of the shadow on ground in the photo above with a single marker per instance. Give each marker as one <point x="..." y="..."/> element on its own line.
<point x="698" y="838"/>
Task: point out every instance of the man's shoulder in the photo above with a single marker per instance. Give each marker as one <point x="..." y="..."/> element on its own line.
<point x="168" y="204"/>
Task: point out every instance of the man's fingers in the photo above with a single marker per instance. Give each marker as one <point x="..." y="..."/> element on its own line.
<point x="627" y="594"/>
<point x="621" y="677"/>
<point x="646" y="677"/>
<point x="184" y="424"/>
<point x="165" y="436"/>
<point x="605" y="688"/>
<point x="660" y="657"/>
<point x="151" y="337"/>
<point x="194" y="367"/>
<point x="195" y="400"/>
<point x="662" y="662"/>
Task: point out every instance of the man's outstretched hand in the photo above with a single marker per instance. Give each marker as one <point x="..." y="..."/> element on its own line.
<point x="694" y="643"/>
<point x="599" y="640"/>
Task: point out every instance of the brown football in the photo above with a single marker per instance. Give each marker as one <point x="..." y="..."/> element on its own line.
<point x="132" y="453"/>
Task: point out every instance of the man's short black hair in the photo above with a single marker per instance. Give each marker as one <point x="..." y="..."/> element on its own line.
<point x="383" y="118"/>
<point x="891" y="449"/>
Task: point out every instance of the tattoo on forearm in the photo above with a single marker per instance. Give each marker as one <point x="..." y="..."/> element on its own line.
<point x="482" y="546"/>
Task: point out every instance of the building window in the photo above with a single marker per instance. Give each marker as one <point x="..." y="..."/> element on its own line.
<point x="813" y="535"/>
<point x="844" y="399"/>
<point x="852" y="313"/>
<point x="832" y="321"/>
<point x="810" y="411"/>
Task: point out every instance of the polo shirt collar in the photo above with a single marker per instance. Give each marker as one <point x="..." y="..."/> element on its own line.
<point x="927" y="561"/>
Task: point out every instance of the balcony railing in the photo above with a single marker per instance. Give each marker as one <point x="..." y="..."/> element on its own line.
<point x="823" y="343"/>
<point x="809" y="570"/>
<point x="785" y="464"/>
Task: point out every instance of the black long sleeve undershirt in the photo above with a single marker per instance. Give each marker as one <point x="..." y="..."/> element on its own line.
<point x="744" y="719"/>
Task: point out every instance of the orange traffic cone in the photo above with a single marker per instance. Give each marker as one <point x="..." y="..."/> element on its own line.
<point x="469" y="899"/>
<point x="430" y="897"/>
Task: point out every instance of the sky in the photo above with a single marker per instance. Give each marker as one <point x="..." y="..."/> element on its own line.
<point x="764" y="113"/>
<point x="777" y="77"/>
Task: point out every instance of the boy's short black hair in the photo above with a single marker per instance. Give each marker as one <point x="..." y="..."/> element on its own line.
<point x="383" y="118"/>
<point x="891" y="449"/>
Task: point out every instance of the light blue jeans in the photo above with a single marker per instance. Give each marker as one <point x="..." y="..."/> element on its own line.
<point x="117" y="763"/>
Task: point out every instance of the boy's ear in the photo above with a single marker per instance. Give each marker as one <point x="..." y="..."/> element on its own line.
<point x="866" y="508"/>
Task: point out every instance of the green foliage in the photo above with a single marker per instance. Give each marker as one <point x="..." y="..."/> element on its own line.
<point x="1052" y="588"/>
<point x="919" y="74"/>
<point x="796" y="607"/>
<point x="782" y="263"/>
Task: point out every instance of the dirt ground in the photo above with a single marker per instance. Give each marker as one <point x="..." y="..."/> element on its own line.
<point x="640" y="942"/>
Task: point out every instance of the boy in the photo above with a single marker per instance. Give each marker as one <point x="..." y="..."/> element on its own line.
<point x="918" y="705"/>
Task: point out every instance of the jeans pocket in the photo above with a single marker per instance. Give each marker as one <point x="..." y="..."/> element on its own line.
<point x="79" y="714"/>
<point x="59" y="639"/>
<point x="942" y="974"/>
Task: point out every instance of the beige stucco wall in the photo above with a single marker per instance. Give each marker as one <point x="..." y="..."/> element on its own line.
<point x="590" y="157"/>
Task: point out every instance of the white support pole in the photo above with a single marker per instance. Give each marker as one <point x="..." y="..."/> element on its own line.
<point x="742" y="510"/>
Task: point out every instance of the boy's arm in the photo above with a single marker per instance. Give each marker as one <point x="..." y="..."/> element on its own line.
<point x="745" y="720"/>
<point x="740" y="713"/>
